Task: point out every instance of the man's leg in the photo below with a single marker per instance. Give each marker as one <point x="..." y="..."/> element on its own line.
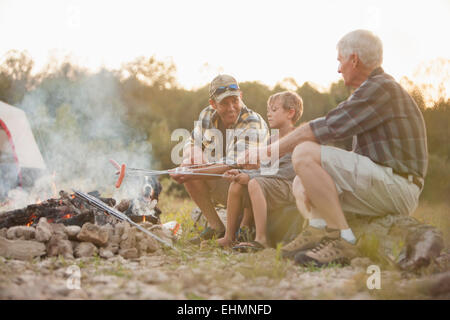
<point x="319" y="186"/>
<point x="321" y="191"/>
<point x="199" y="192"/>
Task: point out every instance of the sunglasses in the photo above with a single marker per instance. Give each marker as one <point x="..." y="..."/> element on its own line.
<point x="222" y="89"/>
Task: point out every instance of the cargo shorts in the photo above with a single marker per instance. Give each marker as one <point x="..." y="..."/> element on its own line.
<point x="367" y="188"/>
<point x="277" y="192"/>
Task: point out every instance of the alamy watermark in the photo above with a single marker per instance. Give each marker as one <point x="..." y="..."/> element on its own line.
<point x="74" y="280"/>
<point x="374" y="280"/>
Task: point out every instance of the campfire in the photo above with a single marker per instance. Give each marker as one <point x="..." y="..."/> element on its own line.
<point x="73" y="227"/>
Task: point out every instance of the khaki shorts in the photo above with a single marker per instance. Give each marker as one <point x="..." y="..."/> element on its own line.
<point x="218" y="190"/>
<point x="367" y="188"/>
<point x="277" y="192"/>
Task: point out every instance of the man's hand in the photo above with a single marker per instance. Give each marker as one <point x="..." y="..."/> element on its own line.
<point x="178" y="176"/>
<point x="192" y="155"/>
<point x="235" y="175"/>
<point x="253" y="156"/>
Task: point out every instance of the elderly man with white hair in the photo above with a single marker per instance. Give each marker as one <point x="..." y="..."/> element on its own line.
<point x="383" y="174"/>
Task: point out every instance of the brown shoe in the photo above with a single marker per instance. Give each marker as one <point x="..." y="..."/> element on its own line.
<point x="328" y="251"/>
<point x="308" y="239"/>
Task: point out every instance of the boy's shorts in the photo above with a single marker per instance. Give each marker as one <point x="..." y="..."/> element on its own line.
<point x="367" y="188"/>
<point x="218" y="190"/>
<point x="277" y="192"/>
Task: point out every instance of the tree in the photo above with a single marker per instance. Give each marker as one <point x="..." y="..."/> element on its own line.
<point x="15" y="76"/>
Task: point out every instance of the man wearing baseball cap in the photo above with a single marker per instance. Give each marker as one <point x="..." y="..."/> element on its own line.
<point x="228" y="117"/>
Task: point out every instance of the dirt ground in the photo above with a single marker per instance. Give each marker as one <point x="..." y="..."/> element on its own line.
<point x="207" y="273"/>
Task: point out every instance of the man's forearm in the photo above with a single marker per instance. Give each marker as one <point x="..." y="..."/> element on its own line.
<point x="288" y="143"/>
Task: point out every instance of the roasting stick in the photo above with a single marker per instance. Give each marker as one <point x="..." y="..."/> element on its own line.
<point x="104" y="207"/>
<point x="142" y="172"/>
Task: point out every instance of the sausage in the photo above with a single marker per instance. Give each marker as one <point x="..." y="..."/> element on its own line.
<point x="115" y="164"/>
<point x="121" y="176"/>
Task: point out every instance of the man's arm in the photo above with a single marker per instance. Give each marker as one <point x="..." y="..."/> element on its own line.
<point x="290" y="141"/>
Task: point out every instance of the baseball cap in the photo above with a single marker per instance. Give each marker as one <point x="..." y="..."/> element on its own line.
<point x="226" y="82"/>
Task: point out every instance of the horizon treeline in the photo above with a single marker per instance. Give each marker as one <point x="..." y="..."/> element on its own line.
<point x="135" y="109"/>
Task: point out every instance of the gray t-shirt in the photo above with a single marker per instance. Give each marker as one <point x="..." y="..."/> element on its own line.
<point x="285" y="170"/>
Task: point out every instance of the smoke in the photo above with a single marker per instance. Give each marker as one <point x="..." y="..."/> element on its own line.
<point x="79" y="124"/>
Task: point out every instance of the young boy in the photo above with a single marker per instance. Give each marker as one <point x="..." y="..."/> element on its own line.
<point x="258" y="192"/>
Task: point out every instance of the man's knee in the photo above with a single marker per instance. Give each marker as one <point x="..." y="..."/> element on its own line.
<point x="196" y="185"/>
<point x="298" y="189"/>
<point x="305" y="154"/>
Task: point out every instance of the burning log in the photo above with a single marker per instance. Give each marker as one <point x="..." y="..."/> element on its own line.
<point x="67" y="210"/>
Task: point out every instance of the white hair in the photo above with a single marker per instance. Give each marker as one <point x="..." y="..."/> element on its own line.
<point x="365" y="44"/>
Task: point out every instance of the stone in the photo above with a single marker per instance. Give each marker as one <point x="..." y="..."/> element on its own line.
<point x="92" y="233"/>
<point x="21" y="249"/>
<point x="381" y="237"/>
<point x="128" y="239"/>
<point x="113" y="247"/>
<point x="57" y="245"/>
<point x="361" y="262"/>
<point x="43" y="230"/>
<point x="85" y="249"/>
<point x="115" y="239"/>
<point x="105" y="253"/>
<point x="131" y="253"/>
<point x="21" y="232"/>
<point x="59" y="229"/>
<point x="108" y="227"/>
<point x="3" y="232"/>
<point x="119" y="228"/>
<point x="72" y="232"/>
<point x="151" y="244"/>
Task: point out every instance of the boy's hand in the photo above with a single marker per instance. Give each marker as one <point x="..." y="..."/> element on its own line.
<point x="242" y="178"/>
<point x="234" y="175"/>
<point x="231" y="174"/>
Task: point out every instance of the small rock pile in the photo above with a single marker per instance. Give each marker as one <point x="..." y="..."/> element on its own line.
<point x="50" y="239"/>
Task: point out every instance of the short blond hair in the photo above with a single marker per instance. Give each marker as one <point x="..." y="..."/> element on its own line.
<point x="289" y="100"/>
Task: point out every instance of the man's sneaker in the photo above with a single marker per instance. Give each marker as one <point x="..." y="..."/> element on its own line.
<point x="207" y="234"/>
<point x="328" y="251"/>
<point x="308" y="239"/>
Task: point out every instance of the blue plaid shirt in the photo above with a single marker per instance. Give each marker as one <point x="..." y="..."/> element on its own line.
<point x="386" y="124"/>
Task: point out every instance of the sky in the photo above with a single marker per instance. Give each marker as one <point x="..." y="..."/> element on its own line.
<point x="254" y="40"/>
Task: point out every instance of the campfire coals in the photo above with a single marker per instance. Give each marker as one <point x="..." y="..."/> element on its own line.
<point x="67" y="210"/>
<point x="71" y="210"/>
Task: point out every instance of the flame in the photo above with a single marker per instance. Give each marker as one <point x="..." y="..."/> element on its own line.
<point x="30" y="222"/>
<point x="143" y="218"/>
<point x="67" y="216"/>
<point x="39" y="201"/>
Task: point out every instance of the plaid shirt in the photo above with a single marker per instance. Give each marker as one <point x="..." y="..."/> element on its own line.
<point x="385" y="122"/>
<point x="250" y="129"/>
